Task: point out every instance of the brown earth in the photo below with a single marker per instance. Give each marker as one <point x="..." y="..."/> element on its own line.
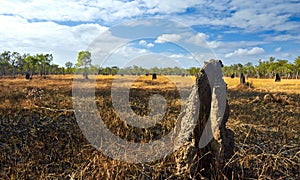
<point x="40" y="138"/>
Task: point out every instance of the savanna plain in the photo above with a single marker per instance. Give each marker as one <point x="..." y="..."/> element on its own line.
<point x="40" y="137"/>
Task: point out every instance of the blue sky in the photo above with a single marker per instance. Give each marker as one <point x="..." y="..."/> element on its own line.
<point x="236" y="31"/>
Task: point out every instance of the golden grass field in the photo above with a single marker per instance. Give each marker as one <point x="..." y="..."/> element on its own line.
<point x="286" y="85"/>
<point x="40" y="138"/>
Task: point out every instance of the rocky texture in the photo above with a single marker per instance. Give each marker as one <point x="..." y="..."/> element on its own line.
<point x="208" y="143"/>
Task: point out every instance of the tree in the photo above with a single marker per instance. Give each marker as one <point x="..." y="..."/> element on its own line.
<point x="261" y="68"/>
<point x="289" y="69"/>
<point x="297" y="66"/>
<point x="13" y="61"/>
<point x="282" y="66"/>
<point x="249" y="69"/>
<point x="193" y="71"/>
<point x="69" y="66"/>
<point x="32" y="62"/>
<point x="28" y="61"/>
<point x="84" y="60"/>
<point x="21" y="63"/>
<point x="44" y="61"/>
<point x="54" y="69"/>
<point x="4" y="62"/>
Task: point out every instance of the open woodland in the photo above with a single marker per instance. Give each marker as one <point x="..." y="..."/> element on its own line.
<point x="40" y="138"/>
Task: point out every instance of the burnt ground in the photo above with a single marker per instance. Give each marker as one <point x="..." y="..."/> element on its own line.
<point x="40" y="138"/>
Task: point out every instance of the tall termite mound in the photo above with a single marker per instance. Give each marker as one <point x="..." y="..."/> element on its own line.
<point x="208" y="144"/>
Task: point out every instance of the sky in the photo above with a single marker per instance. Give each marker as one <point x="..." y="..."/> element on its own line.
<point x="126" y="32"/>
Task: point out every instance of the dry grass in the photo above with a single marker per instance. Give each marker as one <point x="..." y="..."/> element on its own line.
<point x="286" y="85"/>
<point x="266" y="133"/>
<point x="266" y="136"/>
<point x="40" y="139"/>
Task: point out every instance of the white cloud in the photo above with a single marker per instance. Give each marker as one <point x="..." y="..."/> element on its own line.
<point x="168" y="38"/>
<point x="150" y="45"/>
<point x="278" y="49"/>
<point x="255" y="50"/>
<point x="245" y="52"/>
<point x="202" y="39"/>
<point x="125" y="56"/>
<point x="51" y="10"/>
<point x="130" y="52"/>
<point x="261" y="15"/>
<point x="284" y="37"/>
<point x="73" y="10"/>
<point x="176" y="56"/>
<point x="249" y="16"/>
<point x="168" y="6"/>
<point x="17" y="34"/>
<point x="142" y="42"/>
<point x="106" y="10"/>
<point x="250" y="20"/>
<point x="21" y="32"/>
<point x="199" y="39"/>
<point x="215" y="44"/>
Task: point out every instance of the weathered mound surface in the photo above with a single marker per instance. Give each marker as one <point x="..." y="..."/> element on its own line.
<point x="208" y="143"/>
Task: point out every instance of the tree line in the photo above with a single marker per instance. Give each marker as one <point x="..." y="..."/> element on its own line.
<point x="266" y="69"/>
<point x="14" y="63"/>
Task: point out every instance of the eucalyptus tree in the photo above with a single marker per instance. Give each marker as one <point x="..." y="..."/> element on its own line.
<point x="48" y="60"/>
<point x="13" y="62"/>
<point x="4" y="62"/>
<point x="261" y="68"/>
<point x="21" y="63"/>
<point x="297" y="66"/>
<point x="84" y="60"/>
<point x="44" y="61"/>
<point x="69" y="66"/>
<point x="54" y="69"/>
<point x="29" y="59"/>
<point x="282" y="66"/>
<point x="249" y="70"/>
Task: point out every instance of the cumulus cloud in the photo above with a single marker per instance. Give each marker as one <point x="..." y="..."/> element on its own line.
<point x="214" y="44"/>
<point x="278" y="49"/>
<point x="142" y="42"/>
<point x="168" y="6"/>
<point x="284" y="37"/>
<point x="105" y="10"/>
<point x="125" y="56"/>
<point x="37" y="26"/>
<point x="18" y="34"/>
<point x="245" y="52"/>
<point x="145" y="43"/>
<point x="177" y="56"/>
<point x="150" y="45"/>
<point x="246" y="16"/>
<point x="202" y="39"/>
<point x="130" y="52"/>
<point x="168" y="38"/>
<point x="50" y="10"/>
<point x="199" y="39"/>
<point x="234" y="13"/>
